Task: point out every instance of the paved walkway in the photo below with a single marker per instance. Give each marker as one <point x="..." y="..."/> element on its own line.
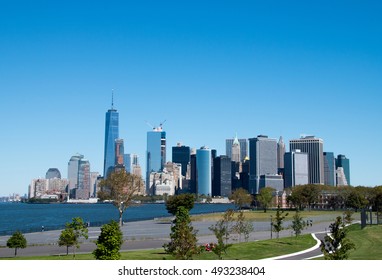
<point x="140" y="235"/>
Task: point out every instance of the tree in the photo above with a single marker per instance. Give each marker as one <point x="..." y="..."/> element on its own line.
<point x="120" y="188"/>
<point x="241" y="197"/>
<point x="304" y="195"/>
<point x="348" y="219"/>
<point x="336" y="245"/>
<point x="67" y="238"/>
<point x="278" y="221"/>
<point x="265" y="197"/>
<point x="298" y="224"/>
<point x="174" y="202"/>
<point x="183" y="236"/>
<point x="16" y="241"/>
<point x="220" y="231"/>
<point x="356" y="199"/>
<point x="70" y="236"/>
<point x="109" y="242"/>
<point x="242" y="226"/>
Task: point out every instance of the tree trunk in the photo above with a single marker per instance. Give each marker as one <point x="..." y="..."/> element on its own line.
<point x="15" y="251"/>
<point x="67" y="250"/>
<point x="120" y="218"/>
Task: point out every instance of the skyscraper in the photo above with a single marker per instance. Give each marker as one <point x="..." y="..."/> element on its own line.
<point x="53" y="173"/>
<point x="296" y="170"/>
<point x="222" y="184"/>
<point x="204" y="172"/>
<point x="344" y="162"/>
<point x="119" y="155"/>
<point x="235" y="150"/>
<point x="155" y="153"/>
<point x="73" y="167"/>
<point x="84" y="181"/>
<point x="329" y="169"/>
<point x="243" y="148"/>
<point x="280" y="154"/>
<point x="181" y="154"/>
<point x="111" y="134"/>
<point x="314" y="147"/>
<point x="263" y="155"/>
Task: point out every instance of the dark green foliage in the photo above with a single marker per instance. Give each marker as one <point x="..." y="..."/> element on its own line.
<point x="183" y="237"/>
<point x="174" y="202"/>
<point x="298" y="224"/>
<point x="348" y="219"/>
<point x="109" y="242"/>
<point x="304" y="196"/>
<point x="278" y="220"/>
<point x="16" y="241"/>
<point x="337" y="245"/>
<point x="70" y="236"/>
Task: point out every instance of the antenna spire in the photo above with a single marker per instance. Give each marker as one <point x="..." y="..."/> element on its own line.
<point x="112" y="99"/>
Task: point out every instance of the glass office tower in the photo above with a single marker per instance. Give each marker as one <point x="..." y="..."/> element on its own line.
<point x="155" y="153"/>
<point x="111" y="134"/>
<point x="204" y="172"/>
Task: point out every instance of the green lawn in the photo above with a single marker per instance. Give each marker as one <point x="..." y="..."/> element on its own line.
<point x="368" y="242"/>
<point x="242" y="251"/>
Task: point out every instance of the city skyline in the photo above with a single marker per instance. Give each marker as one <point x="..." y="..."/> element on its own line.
<point x="211" y="71"/>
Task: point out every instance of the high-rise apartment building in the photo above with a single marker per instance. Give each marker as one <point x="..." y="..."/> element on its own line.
<point x="314" y="147"/>
<point x="181" y="154"/>
<point x="243" y="148"/>
<point x="330" y="169"/>
<point x="344" y="162"/>
<point x="155" y="153"/>
<point x="296" y="169"/>
<point x="111" y="134"/>
<point x="204" y="172"/>
<point x="263" y="155"/>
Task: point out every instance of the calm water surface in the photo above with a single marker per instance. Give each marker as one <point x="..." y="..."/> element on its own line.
<point x="31" y="217"/>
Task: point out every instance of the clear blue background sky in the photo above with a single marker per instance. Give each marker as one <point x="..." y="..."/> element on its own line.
<point x="210" y="68"/>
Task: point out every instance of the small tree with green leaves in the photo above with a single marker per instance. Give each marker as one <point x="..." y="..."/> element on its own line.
<point x="348" y="217"/>
<point x="242" y="226"/>
<point x="16" y="241"/>
<point x="109" y="242"/>
<point x="70" y="236"/>
<point x="67" y="238"/>
<point x="265" y="197"/>
<point x="183" y="236"/>
<point x="278" y="221"/>
<point x="336" y="245"/>
<point x="298" y="224"/>
<point x="220" y="230"/>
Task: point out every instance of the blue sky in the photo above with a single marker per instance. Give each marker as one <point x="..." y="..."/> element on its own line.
<point x="209" y="68"/>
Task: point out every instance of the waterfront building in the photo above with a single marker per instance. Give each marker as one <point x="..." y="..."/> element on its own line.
<point x="176" y="170"/>
<point x="53" y="173"/>
<point x="296" y="168"/>
<point x="344" y="162"/>
<point x="94" y="180"/>
<point x="155" y="153"/>
<point x="111" y="134"/>
<point x="161" y="183"/>
<point x="181" y="154"/>
<point x="263" y="155"/>
<point x="329" y="169"/>
<point x="222" y="185"/>
<point x="204" y="172"/>
<point x="314" y="147"/>
<point x="193" y="173"/>
<point x="243" y="147"/>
